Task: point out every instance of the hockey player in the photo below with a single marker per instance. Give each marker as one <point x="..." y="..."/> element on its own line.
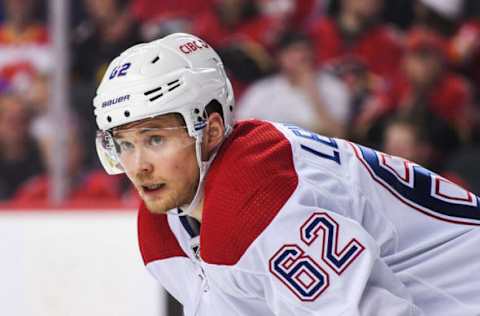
<point x="261" y="218"/>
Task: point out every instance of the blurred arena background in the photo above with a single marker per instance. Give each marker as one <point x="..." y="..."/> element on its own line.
<point x="401" y="76"/>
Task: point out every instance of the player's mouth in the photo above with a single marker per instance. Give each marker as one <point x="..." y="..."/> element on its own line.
<point x="153" y="189"/>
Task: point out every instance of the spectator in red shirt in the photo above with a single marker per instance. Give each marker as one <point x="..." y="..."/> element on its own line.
<point x="464" y="49"/>
<point x="437" y="99"/>
<point x="236" y="20"/>
<point x="428" y="85"/>
<point x="24" y="44"/>
<point x="146" y="10"/>
<point x="243" y="37"/>
<point x="19" y="153"/>
<point x="464" y="54"/>
<point x="356" y="31"/>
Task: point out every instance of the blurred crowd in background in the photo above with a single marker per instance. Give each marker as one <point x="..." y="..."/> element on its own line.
<point x="402" y="76"/>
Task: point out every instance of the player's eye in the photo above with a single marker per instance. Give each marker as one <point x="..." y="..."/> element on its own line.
<point x="125" y="146"/>
<point x="155" y="140"/>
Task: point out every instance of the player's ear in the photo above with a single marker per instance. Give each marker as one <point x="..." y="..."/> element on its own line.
<point x="214" y="134"/>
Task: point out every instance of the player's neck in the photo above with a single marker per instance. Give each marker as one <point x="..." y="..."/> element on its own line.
<point x="198" y="211"/>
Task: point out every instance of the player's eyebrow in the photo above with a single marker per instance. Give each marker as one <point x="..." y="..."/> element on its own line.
<point x="151" y="127"/>
<point x="139" y="130"/>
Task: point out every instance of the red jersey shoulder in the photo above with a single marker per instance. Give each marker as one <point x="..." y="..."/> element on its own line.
<point x="248" y="183"/>
<point x="155" y="238"/>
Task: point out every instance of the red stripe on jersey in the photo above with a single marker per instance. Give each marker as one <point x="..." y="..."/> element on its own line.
<point x="156" y="239"/>
<point x="248" y="183"/>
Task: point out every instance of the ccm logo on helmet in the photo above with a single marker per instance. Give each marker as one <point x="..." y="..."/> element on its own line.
<point x="193" y="46"/>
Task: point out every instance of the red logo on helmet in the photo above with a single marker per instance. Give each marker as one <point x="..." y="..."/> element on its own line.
<point x="193" y="46"/>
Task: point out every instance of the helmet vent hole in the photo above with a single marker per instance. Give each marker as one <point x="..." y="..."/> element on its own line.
<point x="155" y="60"/>
<point x="231" y="108"/>
<point x="109" y="118"/>
<point x="196" y="111"/>
<point x="156" y="93"/>
<point x="173" y="85"/>
<point x="156" y="97"/>
<point x="152" y="91"/>
<point x="199" y="119"/>
<point x="126" y="113"/>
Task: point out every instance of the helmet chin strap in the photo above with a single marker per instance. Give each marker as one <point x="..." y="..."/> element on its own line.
<point x="203" y="167"/>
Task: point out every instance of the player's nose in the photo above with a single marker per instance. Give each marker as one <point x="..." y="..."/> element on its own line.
<point x="142" y="163"/>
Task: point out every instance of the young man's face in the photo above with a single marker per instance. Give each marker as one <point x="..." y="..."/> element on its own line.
<point x="159" y="158"/>
<point x="422" y="68"/>
<point x="366" y="9"/>
<point x="296" y="58"/>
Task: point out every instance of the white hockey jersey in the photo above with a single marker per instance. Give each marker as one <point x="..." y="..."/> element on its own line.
<point x="295" y="223"/>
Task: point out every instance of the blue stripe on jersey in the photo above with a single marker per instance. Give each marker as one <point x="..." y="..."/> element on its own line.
<point x="420" y="193"/>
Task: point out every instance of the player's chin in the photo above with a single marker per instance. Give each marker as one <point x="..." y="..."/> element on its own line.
<point x="155" y="207"/>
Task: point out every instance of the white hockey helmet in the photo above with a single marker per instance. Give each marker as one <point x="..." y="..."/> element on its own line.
<point x="179" y="73"/>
